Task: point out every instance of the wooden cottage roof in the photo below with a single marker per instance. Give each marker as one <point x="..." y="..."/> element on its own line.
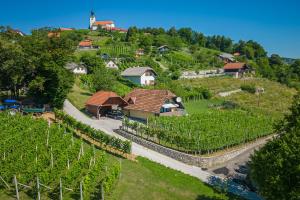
<point x="234" y="66"/>
<point x="101" y="97"/>
<point x="147" y="100"/>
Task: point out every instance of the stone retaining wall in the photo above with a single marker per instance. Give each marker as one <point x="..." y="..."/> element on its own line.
<point x="199" y="161"/>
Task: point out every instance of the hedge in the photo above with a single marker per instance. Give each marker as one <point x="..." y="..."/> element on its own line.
<point x="100" y="136"/>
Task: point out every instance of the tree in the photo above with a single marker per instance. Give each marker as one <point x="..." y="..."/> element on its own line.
<point x="91" y="62"/>
<point x="14" y="67"/>
<point x="103" y="79"/>
<point x="186" y="34"/>
<point x="275" y="168"/>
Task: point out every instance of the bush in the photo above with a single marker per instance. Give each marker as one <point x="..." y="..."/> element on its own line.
<point x="124" y="146"/>
<point x="249" y="88"/>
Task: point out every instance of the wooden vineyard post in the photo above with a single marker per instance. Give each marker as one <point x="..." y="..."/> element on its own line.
<point x="38" y="188"/>
<point x="60" y="190"/>
<point x="102" y="192"/>
<point x="16" y="185"/>
<point x="51" y="158"/>
<point x="81" y="194"/>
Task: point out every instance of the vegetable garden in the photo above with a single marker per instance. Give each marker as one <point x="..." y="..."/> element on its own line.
<point x="203" y="132"/>
<point x="43" y="159"/>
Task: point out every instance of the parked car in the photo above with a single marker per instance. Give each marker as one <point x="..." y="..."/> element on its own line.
<point x="2" y="107"/>
<point x="115" y="114"/>
<point x="11" y="104"/>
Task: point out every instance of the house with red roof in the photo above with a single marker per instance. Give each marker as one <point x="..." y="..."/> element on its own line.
<point x="143" y="103"/>
<point x="103" y="102"/>
<point x="85" y="44"/>
<point x="236" y="69"/>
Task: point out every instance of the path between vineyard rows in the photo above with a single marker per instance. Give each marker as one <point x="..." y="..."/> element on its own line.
<point x="108" y="125"/>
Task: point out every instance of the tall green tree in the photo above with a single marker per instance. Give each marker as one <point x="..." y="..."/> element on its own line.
<point x="275" y="168"/>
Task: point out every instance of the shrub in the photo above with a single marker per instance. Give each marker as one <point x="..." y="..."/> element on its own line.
<point x="249" y="88"/>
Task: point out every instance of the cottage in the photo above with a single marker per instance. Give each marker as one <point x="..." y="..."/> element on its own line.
<point x="139" y="52"/>
<point x="226" y="57"/>
<point x="76" y="68"/>
<point x="163" y="49"/>
<point x="236" y="69"/>
<point x="140" y="75"/>
<point x="85" y="44"/>
<point x="143" y="104"/>
<point x="103" y="102"/>
<point x="18" y="32"/>
<point x="111" y="65"/>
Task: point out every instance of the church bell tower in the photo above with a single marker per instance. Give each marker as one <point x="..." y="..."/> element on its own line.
<point x="92" y="19"/>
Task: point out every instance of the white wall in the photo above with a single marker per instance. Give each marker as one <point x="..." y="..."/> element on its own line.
<point x="80" y="70"/>
<point x="145" y="80"/>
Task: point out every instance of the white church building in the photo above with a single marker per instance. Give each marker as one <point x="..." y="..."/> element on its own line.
<point x="94" y="24"/>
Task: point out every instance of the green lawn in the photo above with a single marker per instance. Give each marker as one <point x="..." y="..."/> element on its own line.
<point x="148" y="180"/>
<point x="275" y="101"/>
<point x="79" y="96"/>
<point x="194" y="107"/>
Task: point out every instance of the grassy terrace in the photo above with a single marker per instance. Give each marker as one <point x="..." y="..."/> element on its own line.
<point x="274" y="102"/>
<point x="148" y="180"/>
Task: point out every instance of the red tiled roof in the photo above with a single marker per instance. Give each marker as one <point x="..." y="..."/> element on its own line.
<point x="234" y="65"/>
<point x="115" y="29"/>
<point x="147" y="100"/>
<point x="101" y="97"/>
<point x="65" y="29"/>
<point x="85" y="43"/>
<point x="103" y="23"/>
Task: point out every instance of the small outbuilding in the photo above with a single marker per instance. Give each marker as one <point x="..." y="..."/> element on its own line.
<point x="227" y="57"/>
<point x="103" y="102"/>
<point x="76" y="68"/>
<point x="236" y="69"/>
<point x="85" y="44"/>
<point x="111" y="65"/>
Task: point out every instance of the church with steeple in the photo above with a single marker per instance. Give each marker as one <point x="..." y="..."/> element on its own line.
<point x="95" y="25"/>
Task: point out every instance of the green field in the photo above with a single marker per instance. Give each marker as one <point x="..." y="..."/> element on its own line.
<point x="148" y="180"/>
<point x="274" y="102"/>
<point x="78" y="96"/>
<point x="199" y="106"/>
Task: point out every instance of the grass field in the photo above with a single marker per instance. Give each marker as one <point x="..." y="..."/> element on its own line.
<point x="148" y="180"/>
<point x="274" y="102"/>
<point x="194" y="107"/>
<point x="79" y="96"/>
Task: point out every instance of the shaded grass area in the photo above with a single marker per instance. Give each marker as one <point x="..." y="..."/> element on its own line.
<point x="78" y="96"/>
<point x="148" y="180"/>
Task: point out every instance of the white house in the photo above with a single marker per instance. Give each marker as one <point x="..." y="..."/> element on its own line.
<point x="111" y="65"/>
<point x="94" y="24"/>
<point x="76" y="68"/>
<point x="140" y="75"/>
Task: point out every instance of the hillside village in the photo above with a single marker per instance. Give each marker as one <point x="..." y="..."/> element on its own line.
<point x="114" y="99"/>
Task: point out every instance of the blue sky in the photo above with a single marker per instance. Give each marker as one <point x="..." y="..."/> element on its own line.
<point x="273" y="23"/>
